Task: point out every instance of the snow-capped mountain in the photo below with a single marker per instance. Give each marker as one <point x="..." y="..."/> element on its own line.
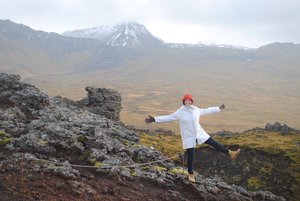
<point x="125" y="35"/>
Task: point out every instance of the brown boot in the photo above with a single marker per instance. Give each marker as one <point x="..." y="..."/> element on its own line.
<point x="234" y="154"/>
<point x="191" y="178"/>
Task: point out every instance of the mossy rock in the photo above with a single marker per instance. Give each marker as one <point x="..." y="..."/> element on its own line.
<point x="179" y="171"/>
<point x="124" y="142"/>
<point x="265" y="171"/>
<point x="236" y="179"/>
<point x="255" y="183"/>
<point x="2" y="133"/>
<point x="93" y="161"/>
<point x="137" y="146"/>
<point x="44" y="142"/>
<point x="159" y="168"/>
<point x="133" y="173"/>
<point x="5" y="141"/>
<point x="82" y="139"/>
<point x="98" y="164"/>
<point x="145" y="167"/>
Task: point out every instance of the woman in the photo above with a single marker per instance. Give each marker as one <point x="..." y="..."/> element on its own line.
<point x="191" y="131"/>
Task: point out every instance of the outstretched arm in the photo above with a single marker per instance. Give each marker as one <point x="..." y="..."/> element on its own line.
<point x="211" y="110"/>
<point x="160" y="119"/>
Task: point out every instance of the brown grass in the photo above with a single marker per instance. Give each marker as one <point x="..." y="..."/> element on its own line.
<point x="253" y="94"/>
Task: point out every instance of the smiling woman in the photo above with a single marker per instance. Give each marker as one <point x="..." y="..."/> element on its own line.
<point x="191" y="131"/>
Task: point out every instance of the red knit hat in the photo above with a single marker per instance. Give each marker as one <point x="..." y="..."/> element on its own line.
<point x="187" y="96"/>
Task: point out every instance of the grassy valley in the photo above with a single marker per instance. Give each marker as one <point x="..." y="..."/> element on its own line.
<point x="253" y="94"/>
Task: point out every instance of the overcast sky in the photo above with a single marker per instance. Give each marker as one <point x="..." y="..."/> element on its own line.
<point x="250" y="23"/>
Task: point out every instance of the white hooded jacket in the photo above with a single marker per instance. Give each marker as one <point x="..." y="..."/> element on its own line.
<point x="190" y="128"/>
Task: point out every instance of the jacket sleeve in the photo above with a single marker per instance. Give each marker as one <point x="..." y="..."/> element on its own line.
<point x="167" y="118"/>
<point x="209" y="110"/>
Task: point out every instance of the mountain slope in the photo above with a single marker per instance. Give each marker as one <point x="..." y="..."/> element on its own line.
<point x="124" y="35"/>
<point x="25" y="50"/>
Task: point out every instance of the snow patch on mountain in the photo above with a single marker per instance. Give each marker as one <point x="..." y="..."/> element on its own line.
<point x="132" y="34"/>
<point x="128" y="34"/>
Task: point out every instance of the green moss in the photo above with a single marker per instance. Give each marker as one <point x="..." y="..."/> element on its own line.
<point x="179" y="171"/>
<point x="93" y="161"/>
<point x="236" y="179"/>
<point x="82" y="139"/>
<point x="2" y="133"/>
<point x="98" y="164"/>
<point x="145" y="167"/>
<point x="137" y="145"/>
<point x="133" y="173"/>
<point x="265" y="171"/>
<point x="159" y="168"/>
<point x="44" y="142"/>
<point x="255" y="183"/>
<point x="41" y="162"/>
<point x="5" y="141"/>
<point x="125" y="142"/>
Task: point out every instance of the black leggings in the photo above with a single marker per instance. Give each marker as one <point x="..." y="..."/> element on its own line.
<point x="191" y="152"/>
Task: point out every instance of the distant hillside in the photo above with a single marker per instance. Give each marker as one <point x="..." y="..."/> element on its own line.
<point x="36" y="53"/>
<point x="256" y="85"/>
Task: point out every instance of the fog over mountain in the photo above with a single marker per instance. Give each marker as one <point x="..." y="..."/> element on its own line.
<point x="257" y="85"/>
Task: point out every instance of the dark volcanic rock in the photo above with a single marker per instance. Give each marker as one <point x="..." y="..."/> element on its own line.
<point x="13" y="92"/>
<point x="284" y="129"/>
<point x="102" y="101"/>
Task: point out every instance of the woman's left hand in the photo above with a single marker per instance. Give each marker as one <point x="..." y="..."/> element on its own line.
<point x="150" y="119"/>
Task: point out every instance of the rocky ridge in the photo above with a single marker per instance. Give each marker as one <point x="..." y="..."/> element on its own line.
<point x="81" y="148"/>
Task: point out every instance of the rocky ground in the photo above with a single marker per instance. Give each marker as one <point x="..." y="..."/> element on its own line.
<point x="18" y="183"/>
<point x="53" y="148"/>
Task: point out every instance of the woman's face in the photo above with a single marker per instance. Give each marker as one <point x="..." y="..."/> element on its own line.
<point x="187" y="102"/>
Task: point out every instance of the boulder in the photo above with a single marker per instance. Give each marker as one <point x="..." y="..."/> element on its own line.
<point x="104" y="102"/>
<point x="13" y="92"/>
<point x="283" y="128"/>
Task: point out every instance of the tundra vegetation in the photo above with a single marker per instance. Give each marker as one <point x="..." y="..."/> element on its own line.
<point x="258" y="146"/>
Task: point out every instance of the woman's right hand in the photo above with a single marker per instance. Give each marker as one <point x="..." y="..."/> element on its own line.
<point x="150" y="119"/>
